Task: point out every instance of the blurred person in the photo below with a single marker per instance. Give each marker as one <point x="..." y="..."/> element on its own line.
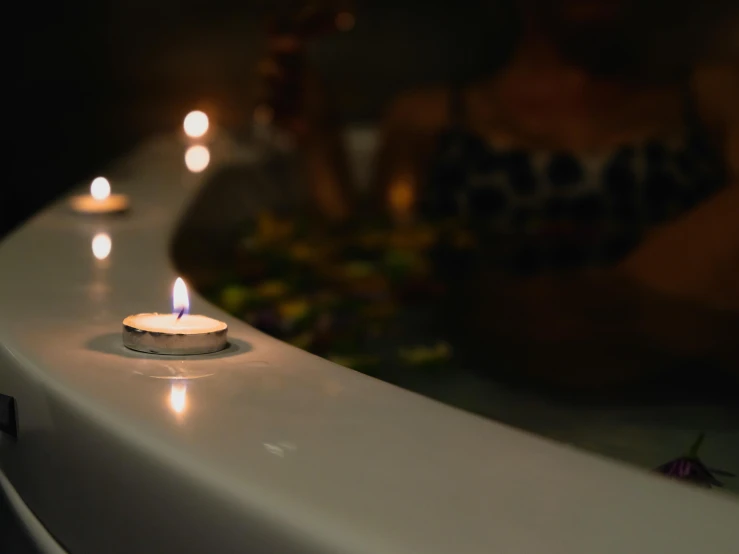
<point x="602" y="183"/>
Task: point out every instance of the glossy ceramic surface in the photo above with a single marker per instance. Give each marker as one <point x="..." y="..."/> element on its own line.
<point x="262" y="447"/>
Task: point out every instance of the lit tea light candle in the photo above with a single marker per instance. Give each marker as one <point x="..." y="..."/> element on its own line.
<point x="196" y="124"/>
<point x="178" y="333"/>
<point x="100" y="200"/>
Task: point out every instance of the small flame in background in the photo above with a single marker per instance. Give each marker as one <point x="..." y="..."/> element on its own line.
<point x="196" y="124"/>
<point x="180" y="299"/>
<point x="197" y="158"/>
<point x="100" y="188"/>
<point x="101" y="246"/>
<point x="178" y="397"/>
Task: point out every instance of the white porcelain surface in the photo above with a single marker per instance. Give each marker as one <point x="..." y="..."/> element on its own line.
<point x="265" y="448"/>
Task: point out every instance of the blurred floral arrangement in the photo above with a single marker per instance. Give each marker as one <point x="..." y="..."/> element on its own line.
<point x="363" y="297"/>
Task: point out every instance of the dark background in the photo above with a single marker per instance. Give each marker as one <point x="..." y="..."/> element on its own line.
<point x="90" y="79"/>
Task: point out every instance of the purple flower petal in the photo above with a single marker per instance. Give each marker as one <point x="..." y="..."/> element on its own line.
<point x="690" y="469"/>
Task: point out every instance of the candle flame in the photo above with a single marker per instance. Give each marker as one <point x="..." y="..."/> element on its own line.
<point x="178" y="397"/>
<point x="196" y="124"/>
<point x="100" y="188"/>
<point x="197" y="158"/>
<point x="101" y="246"/>
<point x="180" y="299"/>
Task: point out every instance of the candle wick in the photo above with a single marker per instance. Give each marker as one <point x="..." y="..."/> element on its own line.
<point x="182" y="311"/>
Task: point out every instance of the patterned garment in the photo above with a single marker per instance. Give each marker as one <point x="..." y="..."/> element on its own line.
<point x="565" y="210"/>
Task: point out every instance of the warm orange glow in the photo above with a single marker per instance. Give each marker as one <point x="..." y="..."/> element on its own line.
<point x="197" y="158"/>
<point x="196" y="124"/>
<point x="401" y="196"/>
<point x="100" y="188"/>
<point x="101" y="246"/>
<point x="180" y="299"/>
<point x="345" y="21"/>
<point x="178" y="397"/>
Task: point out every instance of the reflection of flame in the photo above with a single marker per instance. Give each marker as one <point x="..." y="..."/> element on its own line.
<point x="196" y="124"/>
<point x="178" y="397"/>
<point x="180" y="299"/>
<point x="197" y="158"/>
<point x="101" y="246"/>
<point x="100" y="188"/>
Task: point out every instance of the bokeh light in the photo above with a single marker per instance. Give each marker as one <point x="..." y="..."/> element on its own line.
<point x="197" y="158"/>
<point x="196" y="124"/>
<point x="100" y="188"/>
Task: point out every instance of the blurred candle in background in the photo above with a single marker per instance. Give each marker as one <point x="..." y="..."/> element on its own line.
<point x="196" y="124"/>
<point x="100" y="201"/>
<point x="100" y="188"/>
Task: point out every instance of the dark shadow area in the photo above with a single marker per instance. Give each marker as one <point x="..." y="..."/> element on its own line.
<point x="203" y="249"/>
<point x="207" y="238"/>
<point x="88" y="81"/>
<point x="203" y="241"/>
<point x="13" y="537"/>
